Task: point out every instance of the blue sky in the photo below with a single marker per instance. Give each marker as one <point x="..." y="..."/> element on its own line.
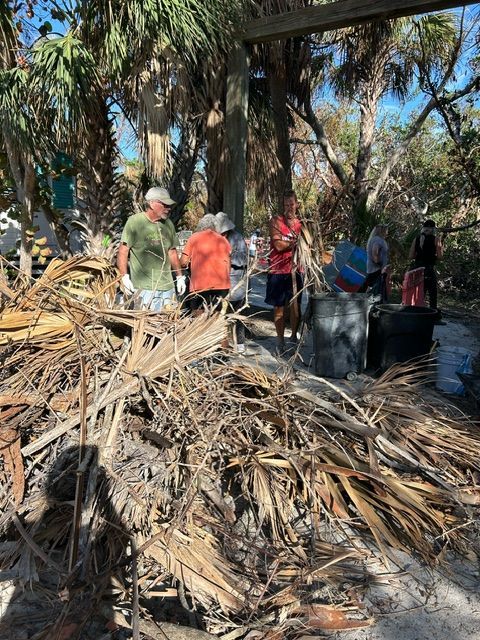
<point x="389" y="105"/>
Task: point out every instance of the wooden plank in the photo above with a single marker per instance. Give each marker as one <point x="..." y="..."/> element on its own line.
<point x="236" y="134"/>
<point x="338" y="15"/>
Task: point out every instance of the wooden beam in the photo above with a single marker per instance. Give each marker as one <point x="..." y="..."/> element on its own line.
<point x="338" y="15"/>
<point x="236" y="126"/>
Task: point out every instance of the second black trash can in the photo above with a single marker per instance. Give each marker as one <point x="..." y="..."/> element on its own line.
<point x="339" y="326"/>
<point x="399" y="333"/>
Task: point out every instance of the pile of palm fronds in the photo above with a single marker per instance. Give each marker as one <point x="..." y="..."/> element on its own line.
<point x="137" y="461"/>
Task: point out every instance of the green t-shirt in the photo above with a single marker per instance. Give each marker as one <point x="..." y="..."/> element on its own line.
<point x="149" y="243"/>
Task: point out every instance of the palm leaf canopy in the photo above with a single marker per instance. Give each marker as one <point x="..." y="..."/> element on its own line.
<point x="63" y="79"/>
<point x="111" y="51"/>
<point x="401" y="44"/>
<point x="7" y="33"/>
<point x="16" y="114"/>
<point x="124" y="31"/>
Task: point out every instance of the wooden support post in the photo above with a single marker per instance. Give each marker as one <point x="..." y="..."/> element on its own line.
<point x="313" y="19"/>
<point x="236" y="134"/>
<point x="338" y="15"/>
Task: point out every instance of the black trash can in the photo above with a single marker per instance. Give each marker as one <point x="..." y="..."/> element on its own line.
<point x="339" y="326"/>
<point x="398" y="333"/>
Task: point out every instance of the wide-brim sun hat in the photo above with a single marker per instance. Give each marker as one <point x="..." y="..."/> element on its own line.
<point x="159" y="193"/>
<point x="224" y="223"/>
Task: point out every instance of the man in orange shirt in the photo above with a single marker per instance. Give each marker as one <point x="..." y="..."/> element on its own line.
<point x="207" y="253"/>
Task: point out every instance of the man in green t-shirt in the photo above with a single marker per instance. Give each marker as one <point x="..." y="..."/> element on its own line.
<point x="148" y="253"/>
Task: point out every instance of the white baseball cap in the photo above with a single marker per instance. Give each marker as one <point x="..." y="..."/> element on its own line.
<point x="158" y="193"/>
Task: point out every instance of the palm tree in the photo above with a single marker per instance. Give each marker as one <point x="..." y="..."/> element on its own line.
<point x="113" y="52"/>
<point x="278" y="70"/>
<point x="379" y="59"/>
<point x="18" y="136"/>
<point x="363" y="65"/>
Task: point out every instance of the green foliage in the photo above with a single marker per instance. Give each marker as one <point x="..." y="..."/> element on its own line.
<point x="430" y="173"/>
<point x="256" y="215"/>
<point x="64" y="77"/>
<point x="17" y="116"/>
<point x="398" y="47"/>
<point x="460" y="268"/>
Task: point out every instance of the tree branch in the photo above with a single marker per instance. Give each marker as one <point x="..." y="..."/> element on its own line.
<point x="322" y="139"/>
<point x="462" y="228"/>
<point x="417" y="126"/>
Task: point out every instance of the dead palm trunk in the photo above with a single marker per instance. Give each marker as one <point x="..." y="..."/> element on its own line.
<point x="215" y="152"/>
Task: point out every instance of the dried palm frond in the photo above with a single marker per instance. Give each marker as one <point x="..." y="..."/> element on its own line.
<point x="309" y="256"/>
<point x="198" y="562"/>
<point x="258" y="497"/>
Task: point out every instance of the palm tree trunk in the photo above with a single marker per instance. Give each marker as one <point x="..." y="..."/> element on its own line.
<point x="368" y="116"/>
<point x="23" y="172"/>
<point x="277" y="82"/>
<point x="185" y="160"/>
<point x="212" y="101"/>
<point x="215" y="152"/>
<point x="26" y="219"/>
<point x="99" y="189"/>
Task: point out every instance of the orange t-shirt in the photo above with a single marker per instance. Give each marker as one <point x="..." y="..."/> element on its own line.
<point x="209" y="255"/>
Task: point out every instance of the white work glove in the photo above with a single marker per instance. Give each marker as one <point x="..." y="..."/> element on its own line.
<point x="128" y="285"/>
<point x="181" y="285"/>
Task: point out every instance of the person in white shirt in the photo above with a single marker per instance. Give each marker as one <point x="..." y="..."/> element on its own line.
<point x="377" y="261"/>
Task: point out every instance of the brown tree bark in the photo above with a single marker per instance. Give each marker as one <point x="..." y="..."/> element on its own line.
<point x="310" y="117"/>
<point x="185" y="160"/>
<point x="23" y="172"/>
<point x="277" y="84"/>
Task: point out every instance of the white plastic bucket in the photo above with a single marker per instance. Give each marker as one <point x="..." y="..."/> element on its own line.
<point x="449" y="360"/>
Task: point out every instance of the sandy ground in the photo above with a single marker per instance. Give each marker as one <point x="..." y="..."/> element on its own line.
<point x="460" y="329"/>
<point x="422" y="604"/>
